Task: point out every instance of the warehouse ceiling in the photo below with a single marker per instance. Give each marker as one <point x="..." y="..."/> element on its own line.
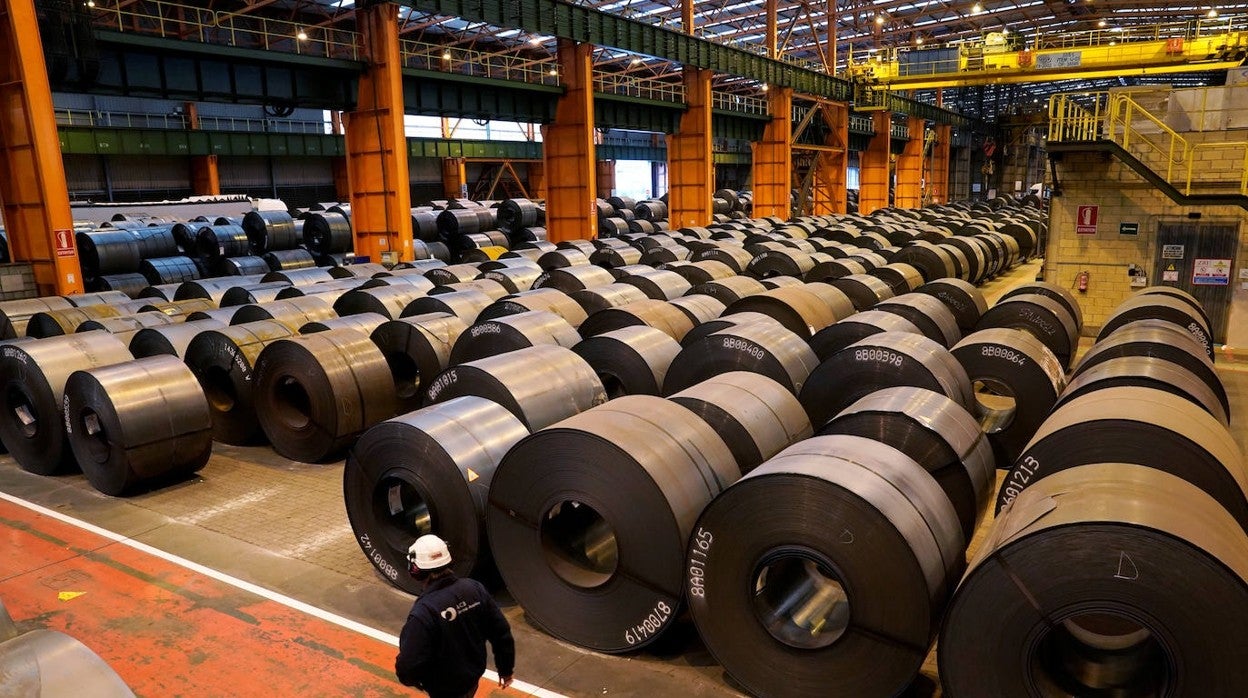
<point x="858" y="27"/>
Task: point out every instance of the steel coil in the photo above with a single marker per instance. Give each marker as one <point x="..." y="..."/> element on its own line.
<point x="54" y="323"/>
<point x="1146" y="372"/>
<point x="327" y="233"/>
<point x="169" y="270"/>
<point x="541" y="384"/>
<point x="169" y="339"/>
<point x="488" y="338"/>
<point x="929" y="314"/>
<point x="931" y="261"/>
<point x="934" y="432"/>
<point x="254" y="293"/>
<point x="588" y="524"/>
<point x="661" y="315"/>
<point x="214" y="241"/>
<point x="863" y="290"/>
<point x="756" y="416"/>
<point x="1180" y="294"/>
<point x="885" y="360"/>
<point x="157" y="241"/>
<point x="1048" y="290"/>
<point x="855" y="328"/>
<point x="466" y="305"/>
<point x="548" y="299"/>
<point x="179" y="310"/>
<point x="316" y="394"/>
<point x="1142" y="426"/>
<point x="1155" y="306"/>
<point x="452" y="274"/>
<point x="137" y="424"/>
<point x="562" y="258"/>
<point x="289" y="260"/>
<point x="33" y="376"/>
<point x="212" y="289"/>
<point x="901" y="278"/>
<point x="700" y="309"/>
<point x="15" y="315"/>
<point x="730" y="290"/>
<point x="779" y="262"/>
<point x="101" y="298"/>
<point x="1104" y="579"/>
<point x="963" y="300"/>
<point x="107" y="252"/>
<point x="630" y="360"/>
<point x="49" y="663"/>
<point x="362" y="271"/>
<point x="803" y="310"/>
<point x="704" y="272"/>
<point x="293" y="313"/>
<point x="1016" y="379"/>
<point x="516" y="214"/>
<point x="237" y="266"/>
<point x="130" y="284"/>
<point x="658" y="284"/>
<point x="301" y="277"/>
<point x="765" y="348"/>
<point x="599" y="298"/>
<point x="389" y="301"/>
<point x="1043" y="317"/>
<point x="417" y="349"/>
<point x="514" y="279"/>
<point x="735" y="257"/>
<point x="223" y="360"/>
<point x="328" y="291"/>
<point x="489" y="287"/>
<point x="362" y="322"/>
<point x="270" y="231"/>
<point x="839" y="591"/>
<point x="125" y="326"/>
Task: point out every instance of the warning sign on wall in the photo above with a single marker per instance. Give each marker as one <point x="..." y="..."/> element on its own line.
<point x="1211" y="272"/>
<point x="64" y="242"/>
<point x="1085" y="222"/>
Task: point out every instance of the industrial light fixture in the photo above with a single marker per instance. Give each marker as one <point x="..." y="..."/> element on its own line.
<point x="90" y="3"/>
<point x="1212" y="13"/>
<point x="1113" y="43"/>
<point x="918" y="40"/>
<point x="635" y="61"/>
<point x="765" y="87"/>
<point x="879" y="19"/>
<point x="554" y="71"/>
<point x="535" y="41"/>
<point x="302" y="35"/>
<point x="1100" y="23"/>
<point x="977" y="8"/>
<point x="1005" y="31"/>
<point x="446" y="55"/>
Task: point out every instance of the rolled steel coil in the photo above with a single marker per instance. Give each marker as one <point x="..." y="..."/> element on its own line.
<point x="222" y="241"/>
<point x="16" y="314"/>
<point x="730" y="290"/>
<point x="863" y="290"/>
<point x="521" y="255"/>
<point x="137" y="424"/>
<point x="548" y="299"/>
<point x="289" y="260"/>
<point x="856" y="328"/>
<point x="711" y="326"/>
<point x="50" y="663"/>
<point x="327" y="233"/>
<point x="54" y="323"/>
<point x="700" y="309"/>
<point x="125" y="326"/>
<point x="561" y="258"/>
<point x="293" y="312"/>
<point x="931" y="261"/>
<point x="1160" y="339"/>
<point x="615" y="257"/>
<point x="1023" y="235"/>
<point x="1180" y="294"/>
<point x="223" y="360"/>
<point x="169" y="339"/>
<point x="488" y="338"/>
<point x="756" y="416"/>
<point x="389" y="301"/>
<point x="975" y="254"/>
<point x="1157" y="306"/>
<point x="453" y="223"/>
<point x="661" y="315"/>
<point x="514" y="279"/>
<point x="238" y="266"/>
<point x="482" y="250"/>
<point x="736" y="258"/>
<point x="540" y="385"/>
<point x="885" y="360"/>
<point x="515" y="214"/>
<point x="130" y="284"/>
<point x="929" y="314"/>
<point x="1017" y="381"/>
<point x="853" y="609"/>
<point x="614" y="295"/>
<point x="416" y="349"/>
<point x="765" y="348"/>
<point x="588" y="524"/>
<point x="651" y="210"/>
<point x="228" y="220"/>
<point x="704" y="272"/>
<point x="658" y="256"/>
<point x="363" y="322"/>
<point x="1099" y="578"/>
<point x="441" y="458"/>
<point x="179" y="310"/>
<point x="363" y="271"/>
<point x="829" y="270"/>
<point x="803" y="309"/>
<point x="658" y="284"/>
<point x="452" y="274"/>
<point x="1139" y="425"/>
<point x="224" y="315"/>
<point x="328" y="291"/>
<point x="569" y="279"/>
<point x="418" y="282"/>
<point x="902" y="278"/>
<point x="33" y="376"/>
<point x="935" y="432"/>
<point x="1147" y="372"/>
<point x="254" y="293"/>
<point x="630" y="360"/>
<point x="300" y="277"/>
<point x="1048" y="290"/>
<point x="105" y="252"/>
<point x="963" y="300"/>
<point x="270" y="231"/>
<point x="780" y="262"/>
<point x="333" y="261"/>
<point x="489" y="287"/>
<point x="466" y="305"/>
<point x="169" y="270"/>
<point x="1045" y="318"/>
<point x="425" y="225"/>
<point x="316" y="394"/>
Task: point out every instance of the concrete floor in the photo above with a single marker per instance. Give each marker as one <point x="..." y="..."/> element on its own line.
<point x="282" y="525"/>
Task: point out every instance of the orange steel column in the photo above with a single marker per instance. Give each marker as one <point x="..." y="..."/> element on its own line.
<point x="772" y="176"/>
<point x="455" y="178"/>
<point x="33" y="191"/>
<point x="829" y="192"/>
<point x="690" y="160"/>
<point x="342" y="178"/>
<point x="605" y="174"/>
<point x="873" y="176"/>
<point x="938" y="177"/>
<point x="568" y="150"/>
<point x="909" y="192"/>
<point x="205" y="175"/>
<point x="381" y="195"/>
<point x="537" y="180"/>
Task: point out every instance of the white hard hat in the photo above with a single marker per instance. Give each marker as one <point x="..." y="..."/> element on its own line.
<point x="429" y="553"/>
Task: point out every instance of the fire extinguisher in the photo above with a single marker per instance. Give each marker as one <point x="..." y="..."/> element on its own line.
<point x="1081" y="282"/>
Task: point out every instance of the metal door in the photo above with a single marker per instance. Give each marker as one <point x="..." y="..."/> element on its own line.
<point x="1200" y="259"/>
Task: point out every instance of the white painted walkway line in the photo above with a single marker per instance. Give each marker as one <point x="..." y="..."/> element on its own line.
<point x="289" y="602"/>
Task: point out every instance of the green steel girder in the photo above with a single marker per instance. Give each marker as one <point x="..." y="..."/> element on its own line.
<point x="636" y="114"/>
<point x="904" y="105"/>
<point x="76" y="140"/>
<point x="733" y="158"/>
<point x="631" y="152"/>
<point x="601" y="29"/>
<point x="744" y="128"/>
<point x="444" y="94"/>
<point x="479" y="149"/>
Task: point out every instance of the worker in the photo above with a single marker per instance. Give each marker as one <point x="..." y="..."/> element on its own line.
<point x="442" y="647"/>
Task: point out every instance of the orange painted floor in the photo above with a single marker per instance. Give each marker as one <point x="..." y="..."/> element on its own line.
<point x="168" y="631"/>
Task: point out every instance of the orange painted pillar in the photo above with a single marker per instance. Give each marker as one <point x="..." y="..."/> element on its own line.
<point x="537" y="180"/>
<point x="829" y="194"/>
<point x="377" y="168"/>
<point x="909" y="193"/>
<point x="690" y="157"/>
<point x="873" y="175"/>
<point x="938" y="177"/>
<point x="342" y="178"/>
<point x="455" y="178"/>
<point x="33" y="191"/>
<point x="568" y="150"/>
<point x="205" y="175"/>
<point x="772" y="176"/>
<point x="605" y="175"/>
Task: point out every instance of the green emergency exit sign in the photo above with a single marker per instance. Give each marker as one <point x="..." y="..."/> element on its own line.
<point x="1128" y="228"/>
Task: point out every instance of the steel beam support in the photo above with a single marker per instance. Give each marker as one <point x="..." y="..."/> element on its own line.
<point x="455" y="178"/>
<point x="205" y="174"/>
<point x="829" y="194"/>
<point x="568" y="149"/>
<point x="909" y="192"/>
<point x="938" y="176"/>
<point x="873" y="174"/>
<point x="773" y="159"/>
<point x="690" y="157"/>
<point x="605" y="177"/>
<point x="537" y="180"/>
<point x="377" y="167"/>
<point x="33" y="192"/>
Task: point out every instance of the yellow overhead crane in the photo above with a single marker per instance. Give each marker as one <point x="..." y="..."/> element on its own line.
<point x="995" y="60"/>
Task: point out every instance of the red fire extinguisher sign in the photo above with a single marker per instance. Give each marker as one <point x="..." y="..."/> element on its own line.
<point x="64" y="242"/>
<point x="1085" y="221"/>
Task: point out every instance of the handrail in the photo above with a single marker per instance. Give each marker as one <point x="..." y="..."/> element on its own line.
<point x="1123" y="109"/>
<point x="117" y="119"/>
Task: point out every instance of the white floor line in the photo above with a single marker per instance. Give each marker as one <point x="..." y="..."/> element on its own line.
<point x="340" y="621"/>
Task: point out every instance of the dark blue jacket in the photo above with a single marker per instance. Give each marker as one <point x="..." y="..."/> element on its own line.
<point x="442" y="647"/>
